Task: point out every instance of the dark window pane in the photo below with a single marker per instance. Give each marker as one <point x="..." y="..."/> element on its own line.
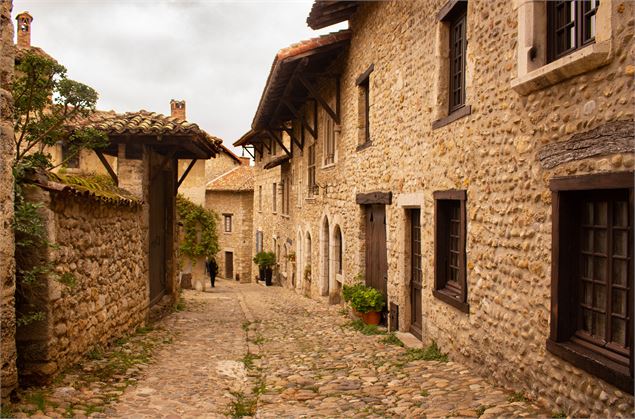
<point x="618" y="331"/>
<point x="620" y="214"/>
<point x="620" y="272"/>
<point x="618" y="302"/>
<point x="600" y="239"/>
<point x="620" y="243"/>
<point x="599" y="296"/>
<point x="599" y="269"/>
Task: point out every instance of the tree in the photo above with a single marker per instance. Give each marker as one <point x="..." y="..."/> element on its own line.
<point x="47" y="103"/>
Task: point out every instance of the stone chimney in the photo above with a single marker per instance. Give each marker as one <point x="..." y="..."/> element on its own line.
<point x="177" y="109"/>
<point x="24" y="29"/>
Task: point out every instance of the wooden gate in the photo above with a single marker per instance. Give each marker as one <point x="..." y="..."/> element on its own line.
<point x="229" y="265"/>
<point x="159" y="190"/>
<point x="376" y="254"/>
<point x="415" y="273"/>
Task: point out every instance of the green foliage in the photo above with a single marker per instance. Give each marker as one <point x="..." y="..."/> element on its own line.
<point x="517" y="396"/>
<point x="23" y="319"/>
<point x="431" y="353"/>
<point x="365" y="329"/>
<point x="366" y="299"/>
<point x="391" y="339"/>
<point x="481" y="409"/>
<point x="349" y="290"/>
<point x="248" y="360"/>
<point x="200" y="238"/>
<point x="68" y="279"/>
<point x="424" y="393"/>
<point x="265" y="259"/>
<point x="558" y="414"/>
<point x="45" y="102"/>
<point x="242" y="405"/>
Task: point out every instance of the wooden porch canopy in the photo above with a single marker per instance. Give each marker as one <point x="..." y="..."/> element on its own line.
<point x="329" y="12"/>
<point x="292" y="83"/>
<point x="277" y="162"/>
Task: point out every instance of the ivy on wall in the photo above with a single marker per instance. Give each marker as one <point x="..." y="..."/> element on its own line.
<point x="200" y="238"/>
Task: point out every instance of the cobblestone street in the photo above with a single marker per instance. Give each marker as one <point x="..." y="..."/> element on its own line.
<point x="245" y="348"/>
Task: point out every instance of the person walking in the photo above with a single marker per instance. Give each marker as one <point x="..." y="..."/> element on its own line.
<point x="212" y="269"/>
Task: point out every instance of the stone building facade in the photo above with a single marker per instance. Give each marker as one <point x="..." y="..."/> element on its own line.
<point x="8" y="374"/>
<point x="489" y="176"/>
<point x="101" y="252"/>
<point x="230" y="196"/>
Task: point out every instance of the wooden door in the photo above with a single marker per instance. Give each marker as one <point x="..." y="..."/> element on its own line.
<point x="376" y="254"/>
<point x="229" y="265"/>
<point x="158" y="234"/>
<point x="415" y="272"/>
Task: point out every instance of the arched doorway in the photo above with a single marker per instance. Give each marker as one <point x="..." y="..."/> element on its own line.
<point x="299" y="266"/>
<point x="306" y="273"/>
<point x="324" y="286"/>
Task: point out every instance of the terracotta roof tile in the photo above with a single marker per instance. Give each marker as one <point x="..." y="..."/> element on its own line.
<point x="310" y="44"/>
<point x="239" y="179"/>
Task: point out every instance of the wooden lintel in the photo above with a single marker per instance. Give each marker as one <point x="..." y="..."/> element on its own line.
<point x="318" y="97"/>
<point x="187" y="171"/>
<point x="278" y="140"/>
<point x="164" y="163"/>
<point x="111" y="172"/>
<point x="370" y="198"/>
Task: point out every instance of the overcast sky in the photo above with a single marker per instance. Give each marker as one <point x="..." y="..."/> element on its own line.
<point x="140" y="54"/>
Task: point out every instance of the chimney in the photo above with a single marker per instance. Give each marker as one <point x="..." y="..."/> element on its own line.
<point x="24" y="29"/>
<point x="245" y="161"/>
<point x="177" y="109"/>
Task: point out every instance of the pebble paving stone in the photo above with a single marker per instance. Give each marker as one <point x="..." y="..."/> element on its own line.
<point x="266" y="352"/>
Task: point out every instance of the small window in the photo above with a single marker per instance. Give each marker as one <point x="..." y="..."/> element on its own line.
<point x="450" y="283"/>
<point x="70" y="156"/>
<point x="458" y="47"/>
<point x="570" y="26"/>
<point x="299" y="187"/>
<point x="228" y="222"/>
<point x="258" y="241"/>
<point x="274" y="147"/>
<point x="363" y="83"/>
<point x="274" y="194"/>
<point x="311" y="184"/>
<point x="329" y="139"/>
<point x="592" y="279"/>
<point x="260" y="198"/>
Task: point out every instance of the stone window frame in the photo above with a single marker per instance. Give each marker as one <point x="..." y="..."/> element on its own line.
<point x="453" y="294"/>
<point x="330" y="134"/>
<point x="274" y="196"/>
<point x="562" y="342"/>
<point x="534" y="72"/>
<point x="259" y="198"/>
<point x="363" y="108"/>
<point x="444" y="113"/>
<point x="311" y="170"/>
<point x="227" y="222"/>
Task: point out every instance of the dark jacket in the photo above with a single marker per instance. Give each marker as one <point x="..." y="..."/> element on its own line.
<point x="211" y="267"/>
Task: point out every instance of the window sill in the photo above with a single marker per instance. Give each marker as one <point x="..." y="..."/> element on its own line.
<point x="593" y="363"/>
<point x="578" y="62"/>
<point x="364" y="145"/>
<point x="285" y="216"/>
<point x="227" y="232"/>
<point x="309" y="199"/>
<point x="448" y="298"/>
<point x="327" y="166"/>
<point x="457" y="114"/>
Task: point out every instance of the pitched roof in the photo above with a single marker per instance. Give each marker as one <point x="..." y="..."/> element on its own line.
<point x="329" y="12"/>
<point x="238" y="179"/>
<point x="97" y="187"/>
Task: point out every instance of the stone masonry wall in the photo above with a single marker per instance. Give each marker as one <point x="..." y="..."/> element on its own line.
<point x="239" y="240"/>
<point x="9" y="374"/>
<point x="102" y="248"/>
<point x="493" y="154"/>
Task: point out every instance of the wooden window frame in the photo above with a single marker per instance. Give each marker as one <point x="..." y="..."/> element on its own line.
<point x="260" y="198"/>
<point x="311" y="174"/>
<point x="458" y="16"/>
<point x="578" y="23"/>
<point x="227" y="218"/>
<point x="72" y="163"/>
<point x="363" y="83"/>
<point x="274" y="196"/>
<point x="564" y="304"/>
<point x="454" y="296"/>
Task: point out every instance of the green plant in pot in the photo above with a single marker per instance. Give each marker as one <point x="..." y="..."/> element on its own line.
<point x="265" y="262"/>
<point x="368" y="301"/>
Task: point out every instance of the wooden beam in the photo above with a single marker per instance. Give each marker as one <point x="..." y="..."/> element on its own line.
<point x="300" y="116"/>
<point x="164" y="163"/>
<point x="316" y="95"/>
<point x="187" y="171"/>
<point x="111" y="172"/>
<point x="294" y="139"/>
<point x="287" y="89"/>
<point x="278" y="140"/>
<point x="371" y="198"/>
<point x="264" y="143"/>
<point x="250" y="153"/>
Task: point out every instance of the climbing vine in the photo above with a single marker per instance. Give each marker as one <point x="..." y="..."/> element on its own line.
<point x="199" y="238"/>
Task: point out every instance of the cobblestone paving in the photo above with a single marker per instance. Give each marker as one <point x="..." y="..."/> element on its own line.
<point x="267" y="352"/>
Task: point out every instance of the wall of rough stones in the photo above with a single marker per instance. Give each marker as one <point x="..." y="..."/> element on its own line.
<point x="102" y="249"/>
<point x="493" y="154"/>
<point x="9" y="375"/>
<point x="239" y="240"/>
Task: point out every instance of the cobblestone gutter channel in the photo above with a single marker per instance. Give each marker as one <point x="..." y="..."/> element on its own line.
<point x="245" y="350"/>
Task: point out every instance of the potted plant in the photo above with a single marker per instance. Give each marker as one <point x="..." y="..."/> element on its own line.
<point x="368" y="301"/>
<point x="347" y="294"/>
<point x="265" y="262"/>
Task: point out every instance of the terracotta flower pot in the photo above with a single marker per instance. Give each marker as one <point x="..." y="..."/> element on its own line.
<point x="372" y="317"/>
<point x="357" y="313"/>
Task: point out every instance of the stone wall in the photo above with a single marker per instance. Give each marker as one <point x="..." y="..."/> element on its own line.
<point x="239" y="240"/>
<point x="493" y="154"/>
<point x="101" y="257"/>
<point x="9" y="375"/>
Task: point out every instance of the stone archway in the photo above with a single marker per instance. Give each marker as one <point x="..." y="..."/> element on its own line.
<point x="325" y="249"/>
<point x="299" y="261"/>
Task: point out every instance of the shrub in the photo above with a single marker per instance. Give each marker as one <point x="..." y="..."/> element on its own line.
<point x="265" y="259"/>
<point x="366" y="299"/>
<point x="349" y="290"/>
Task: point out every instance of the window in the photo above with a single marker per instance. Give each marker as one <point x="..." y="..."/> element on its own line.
<point x="311" y="171"/>
<point x="274" y="147"/>
<point x="458" y="44"/>
<point x="570" y="26"/>
<point x="592" y="278"/>
<point x="363" y="82"/>
<point x="329" y="139"/>
<point x="260" y="198"/>
<point x="286" y="192"/>
<point x="228" y="222"/>
<point x="450" y="283"/>
<point x="299" y="178"/>
<point x="258" y="241"/>
<point x="274" y="197"/>
<point x="70" y="156"/>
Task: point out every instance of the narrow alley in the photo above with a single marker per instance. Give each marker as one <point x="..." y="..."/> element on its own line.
<point x="246" y="348"/>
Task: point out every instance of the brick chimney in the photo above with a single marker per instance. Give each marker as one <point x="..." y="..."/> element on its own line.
<point x="177" y="109"/>
<point x="24" y="29"/>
